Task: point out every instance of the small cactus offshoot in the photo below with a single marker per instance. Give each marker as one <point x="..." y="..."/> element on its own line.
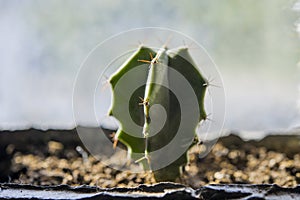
<point x="146" y="79"/>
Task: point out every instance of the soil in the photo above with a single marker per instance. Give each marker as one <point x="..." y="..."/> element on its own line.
<point x="231" y="161"/>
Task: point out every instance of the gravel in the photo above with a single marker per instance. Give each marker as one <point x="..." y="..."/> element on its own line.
<point x="245" y="163"/>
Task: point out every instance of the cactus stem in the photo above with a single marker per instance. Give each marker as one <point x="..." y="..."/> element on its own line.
<point x="156" y="80"/>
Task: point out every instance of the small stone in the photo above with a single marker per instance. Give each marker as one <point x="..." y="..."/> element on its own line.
<point x="272" y="163"/>
<point x="55" y="147"/>
<point x="10" y="149"/>
<point x="219" y="175"/>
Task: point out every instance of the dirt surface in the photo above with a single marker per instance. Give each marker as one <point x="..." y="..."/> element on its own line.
<point x="231" y="161"/>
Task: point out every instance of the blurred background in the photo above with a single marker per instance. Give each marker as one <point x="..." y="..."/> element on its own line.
<point x="255" y="44"/>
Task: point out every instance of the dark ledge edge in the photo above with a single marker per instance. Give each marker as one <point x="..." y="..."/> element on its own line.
<point x="164" y="190"/>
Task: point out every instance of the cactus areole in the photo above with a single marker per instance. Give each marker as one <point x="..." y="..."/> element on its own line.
<point x="158" y="99"/>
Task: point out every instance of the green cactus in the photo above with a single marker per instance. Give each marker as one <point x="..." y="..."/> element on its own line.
<point x="150" y="81"/>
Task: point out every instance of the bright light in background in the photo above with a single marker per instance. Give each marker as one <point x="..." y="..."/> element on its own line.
<point x="255" y="45"/>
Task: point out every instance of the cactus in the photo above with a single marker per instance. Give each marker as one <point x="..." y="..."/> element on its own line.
<point x="147" y="85"/>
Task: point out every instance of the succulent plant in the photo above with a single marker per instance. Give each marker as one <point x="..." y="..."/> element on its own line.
<point x="146" y="79"/>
